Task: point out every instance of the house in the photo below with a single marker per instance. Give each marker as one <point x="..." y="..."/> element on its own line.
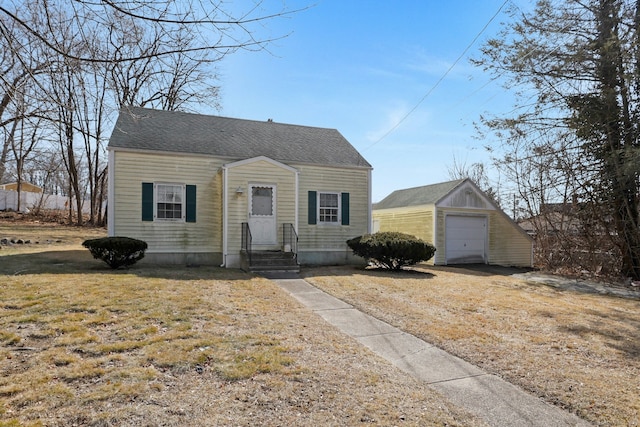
<point x="556" y="219"/>
<point x="203" y="189"/>
<point x="460" y="220"/>
<point x="24" y="186"/>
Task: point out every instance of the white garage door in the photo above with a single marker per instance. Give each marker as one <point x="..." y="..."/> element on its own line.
<point x="466" y="238"/>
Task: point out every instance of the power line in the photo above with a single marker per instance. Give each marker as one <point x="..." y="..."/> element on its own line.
<point x="394" y="127"/>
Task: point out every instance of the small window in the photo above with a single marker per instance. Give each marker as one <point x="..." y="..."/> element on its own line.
<point x="328" y="208"/>
<point x="169" y="201"/>
<point x="261" y="201"/>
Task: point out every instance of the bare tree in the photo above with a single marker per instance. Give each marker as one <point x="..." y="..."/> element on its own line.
<point x="22" y="147"/>
<point x="17" y="70"/>
<point x="174" y="81"/>
<point x="218" y="27"/>
<point x="91" y="115"/>
<point x="89" y="59"/>
<point x="476" y="172"/>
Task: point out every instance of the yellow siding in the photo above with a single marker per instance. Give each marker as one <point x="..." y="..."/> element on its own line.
<point x="416" y="221"/>
<point x="441" y="255"/>
<point x="215" y="193"/>
<point x="259" y="172"/>
<point x="333" y="237"/>
<point x="507" y="244"/>
<point x="132" y="169"/>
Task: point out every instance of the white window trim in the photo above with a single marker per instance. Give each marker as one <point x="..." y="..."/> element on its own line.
<point x="339" y="216"/>
<point x="183" y="203"/>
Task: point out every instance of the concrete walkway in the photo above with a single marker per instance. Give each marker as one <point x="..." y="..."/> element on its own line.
<point x="494" y="400"/>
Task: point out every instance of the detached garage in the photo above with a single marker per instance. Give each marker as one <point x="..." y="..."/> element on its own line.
<point x="463" y="223"/>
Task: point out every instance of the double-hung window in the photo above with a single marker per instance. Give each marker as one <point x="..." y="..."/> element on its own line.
<point x="328" y="208"/>
<point x="168" y="202"/>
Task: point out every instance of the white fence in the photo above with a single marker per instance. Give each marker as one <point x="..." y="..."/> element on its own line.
<point x="30" y="201"/>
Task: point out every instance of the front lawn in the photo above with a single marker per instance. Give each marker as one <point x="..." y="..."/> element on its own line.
<point x="81" y="344"/>
<point x="578" y="351"/>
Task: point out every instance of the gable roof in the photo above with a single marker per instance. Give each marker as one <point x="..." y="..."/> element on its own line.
<point x="424" y="195"/>
<point x="171" y="131"/>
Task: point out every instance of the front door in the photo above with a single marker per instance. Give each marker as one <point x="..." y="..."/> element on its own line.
<point x="262" y="215"/>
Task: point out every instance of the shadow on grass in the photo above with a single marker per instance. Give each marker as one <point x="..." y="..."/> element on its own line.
<point x="348" y="270"/>
<point x="481" y="270"/>
<point x="423" y="271"/>
<point x="81" y="262"/>
<point x="624" y="338"/>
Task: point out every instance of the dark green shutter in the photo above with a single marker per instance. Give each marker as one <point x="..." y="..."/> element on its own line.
<point x="345" y="208"/>
<point x="313" y="207"/>
<point x="147" y="201"/>
<point x="190" y="215"/>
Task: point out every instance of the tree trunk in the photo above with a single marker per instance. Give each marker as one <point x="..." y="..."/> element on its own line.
<point x="617" y="129"/>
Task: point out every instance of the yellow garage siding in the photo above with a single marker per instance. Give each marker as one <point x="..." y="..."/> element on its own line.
<point x="441" y="255"/>
<point x="328" y="179"/>
<point x="259" y="172"/>
<point x="132" y="169"/>
<point x="508" y="245"/>
<point x="417" y="221"/>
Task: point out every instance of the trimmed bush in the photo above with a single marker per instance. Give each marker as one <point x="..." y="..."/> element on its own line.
<point x="116" y="251"/>
<point x="391" y="250"/>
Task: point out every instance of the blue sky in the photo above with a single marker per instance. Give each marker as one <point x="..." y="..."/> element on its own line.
<point x="361" y="67"/>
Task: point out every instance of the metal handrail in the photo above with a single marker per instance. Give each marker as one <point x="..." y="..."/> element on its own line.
<point x="246" y="240"/>
<point x="290" y="237"/>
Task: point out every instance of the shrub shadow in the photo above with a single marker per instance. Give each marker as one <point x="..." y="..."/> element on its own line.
<point x="425" y="271"/>
<point x="348" y="270"/>
<point x="80" y="261"/>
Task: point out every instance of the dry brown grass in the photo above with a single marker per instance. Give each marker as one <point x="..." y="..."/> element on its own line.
<point x="81" y="344"/>
<point x="578" y="351"/>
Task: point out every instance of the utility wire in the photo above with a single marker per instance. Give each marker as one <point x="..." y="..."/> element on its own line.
<point x="394" y="127"/>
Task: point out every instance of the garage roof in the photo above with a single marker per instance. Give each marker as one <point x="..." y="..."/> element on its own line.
<point x="416" y="196"/>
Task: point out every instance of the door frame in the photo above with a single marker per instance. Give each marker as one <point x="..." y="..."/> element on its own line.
<point x="234" y="190"/>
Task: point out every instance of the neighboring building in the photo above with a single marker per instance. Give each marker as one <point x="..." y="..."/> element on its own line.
<point x="460" y="220"/>
<point x="191" y="186"/>
<point x="24" y="186"/>
<point x="555" y="219"/>
<point x="32" y="198"/>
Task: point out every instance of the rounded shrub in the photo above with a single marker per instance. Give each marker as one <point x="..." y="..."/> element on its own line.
<point x="391" y="250"/>
<point x="116" y="251"/>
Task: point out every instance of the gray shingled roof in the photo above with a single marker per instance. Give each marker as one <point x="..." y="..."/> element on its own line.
<point x="237" y="139"/>
<point x="425" y="195"/>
